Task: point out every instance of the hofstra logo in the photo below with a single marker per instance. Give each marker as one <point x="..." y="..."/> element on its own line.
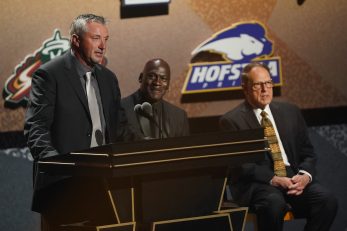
<point x="217" y="62"/>
<point x="17" y="87"/>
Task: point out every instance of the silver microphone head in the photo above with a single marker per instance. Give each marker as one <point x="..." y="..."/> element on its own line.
<point x="147" y="108"/>
<point x="137" y="108"/>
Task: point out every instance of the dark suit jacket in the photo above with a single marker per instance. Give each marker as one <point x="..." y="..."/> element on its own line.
<point x="58" y="119"/>
<point x="294" y="136"/>
<point x="175" y="119"/>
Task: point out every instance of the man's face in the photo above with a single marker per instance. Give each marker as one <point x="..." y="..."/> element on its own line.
<point x="91" y="45"/>
<point x="155" y="80"/>
<point x="258" y="90"/>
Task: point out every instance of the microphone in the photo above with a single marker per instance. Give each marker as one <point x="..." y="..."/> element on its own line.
<point x="145" y="110"/>
<point x="137" y="108"/>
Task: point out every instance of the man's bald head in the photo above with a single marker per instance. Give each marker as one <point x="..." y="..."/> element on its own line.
<point x="155" y="79"/>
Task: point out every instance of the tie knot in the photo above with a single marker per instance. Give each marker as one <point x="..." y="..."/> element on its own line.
<point x="88" y="75"/>
<point x="263" y="114"/>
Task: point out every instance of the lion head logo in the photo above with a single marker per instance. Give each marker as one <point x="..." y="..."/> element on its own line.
<point x="240" y="43"/>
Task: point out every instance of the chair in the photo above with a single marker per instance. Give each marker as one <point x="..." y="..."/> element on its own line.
<point x="252" y="217"/>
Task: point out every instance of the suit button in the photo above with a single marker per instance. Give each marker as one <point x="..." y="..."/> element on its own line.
<point x="89" y="134"/>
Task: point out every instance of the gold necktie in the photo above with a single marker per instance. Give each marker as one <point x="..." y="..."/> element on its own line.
<point x="270" y="134"/>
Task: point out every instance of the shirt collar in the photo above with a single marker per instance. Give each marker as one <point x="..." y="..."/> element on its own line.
<point x="81" y="69"/>
<point x="257" y="111"/>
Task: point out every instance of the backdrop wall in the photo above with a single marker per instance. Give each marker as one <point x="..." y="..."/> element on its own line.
<point x="310" y="40"/>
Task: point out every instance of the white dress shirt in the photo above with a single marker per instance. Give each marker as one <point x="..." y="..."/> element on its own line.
<point x="257" y="112"/>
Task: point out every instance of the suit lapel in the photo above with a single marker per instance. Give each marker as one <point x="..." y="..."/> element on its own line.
<point x="105" y="93"/>
<point x="249" y="116"/>
<point x="278" y="117"/>
<point x="280" y="120"/>
<point x="166" y="119"/>
<point x="134" y="117"/>
<point x="73" y="78"/>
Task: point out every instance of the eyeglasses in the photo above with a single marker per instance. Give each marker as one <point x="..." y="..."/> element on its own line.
<point x="258" y="85"/>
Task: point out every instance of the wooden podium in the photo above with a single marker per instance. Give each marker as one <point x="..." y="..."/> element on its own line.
<point x="165" y="184"/>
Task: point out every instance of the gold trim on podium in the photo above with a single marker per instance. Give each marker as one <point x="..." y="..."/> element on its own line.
<point x="133" y="204"/>
<point x="187" y="147"/>
<point x="154" y="224"/>
<point x="222" y="194"/>
<point x="214" y="155"/>
<point x="113" y="205"/>
<point x="238" y="209"/>
<point x="104" y="227"/>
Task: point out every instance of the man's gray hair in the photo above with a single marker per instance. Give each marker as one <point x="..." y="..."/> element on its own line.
<point x="78" y="26"/>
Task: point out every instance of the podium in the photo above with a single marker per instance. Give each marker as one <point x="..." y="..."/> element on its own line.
<point x="165" y="184"/>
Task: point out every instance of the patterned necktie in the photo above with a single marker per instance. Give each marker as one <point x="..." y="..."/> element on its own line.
<point x="270" y="134"/>
<point x="97" y="137"/>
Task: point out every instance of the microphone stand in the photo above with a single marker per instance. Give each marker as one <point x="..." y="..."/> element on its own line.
<point x="145" y="110"/>
<point x="161" y="131"/>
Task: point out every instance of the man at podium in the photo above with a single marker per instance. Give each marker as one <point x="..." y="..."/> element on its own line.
<point x="74" y="105"/>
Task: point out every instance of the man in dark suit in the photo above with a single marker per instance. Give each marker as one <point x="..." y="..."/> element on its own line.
<point x="61" y="118"/>
<point x="149" y="115"/>
<point x="262" y="186"/>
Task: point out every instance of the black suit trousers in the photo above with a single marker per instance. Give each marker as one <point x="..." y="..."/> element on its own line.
<point x="316" y="204"/>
